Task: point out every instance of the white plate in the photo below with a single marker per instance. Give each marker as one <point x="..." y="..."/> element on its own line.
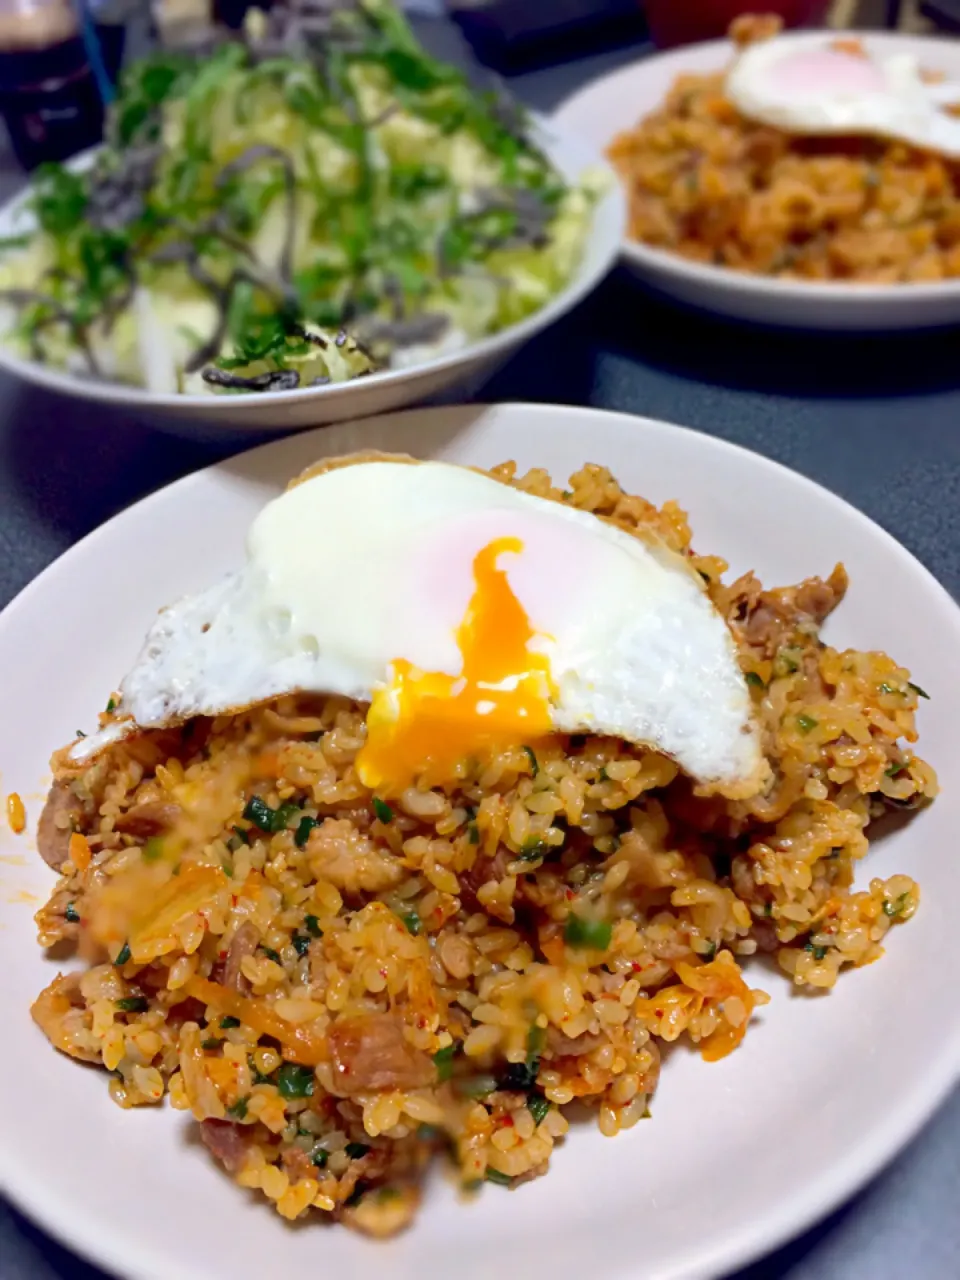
<point x="616" y="102"/>
<point x="461" y="371"/>
<point x="738" y="1155"/>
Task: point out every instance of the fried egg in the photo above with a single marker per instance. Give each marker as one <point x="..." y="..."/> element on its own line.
<point x="838" y="89"/>
<point x="471" y="616"/>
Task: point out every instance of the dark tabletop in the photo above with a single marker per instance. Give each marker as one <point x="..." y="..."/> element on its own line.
<point x="875" y="419"/>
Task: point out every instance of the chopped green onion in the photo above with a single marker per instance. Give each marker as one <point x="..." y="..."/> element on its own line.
<point x="356" y="1150"/>
<point x="319" y="1157"/>
<point x="603" y="776"/>
<point x="536" y="1043"/>
<point x="71" y="915"/>
<point x="443" y="1060"/>
<point x="294" y="1081"/>
<point x="81" y="734"/>
<point x="889" y="688"/>
<point x="210" y="1044"/>
<point x="412" y="920"/>
<point x="238" y="1110"/>
<point x="152" y="849"/>
<point x="301" y="943"/>
<point x="594" y="934"/>
<point x="533" y="850"/>
<point x="757" y="681"/>
<point x="312" y="926"/>
<point x="305" y="826"/>
<point x="817" y="952"/>
<point x="111" y="705"/>
<point x="271" y="954"/>
<point x="501" y="1179"/>
<point x="473" y="833"/>
<point x="228" y="1022"/>
<point x="259" y="813"/>
<point x="123" y="955"/>
<point x="538" y="1106"/>
<point x="133" y="1004"/>
<point x="896" y="768"/>
<point x="896" y="908"/>
<point x="918" y="691"/>
<point x="382" y="810"/>
<point x="805" y="723"/>
<point x="534" y="765"/>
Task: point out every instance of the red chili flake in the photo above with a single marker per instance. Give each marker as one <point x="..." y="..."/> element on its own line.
<point x="221" y="955"/>
<point x="658" y="1012"/>
<point x="570" y="894"/>
<point x="507" y="1121"/>
<point x="636" y="966"/>
<point x="383" y="972"/>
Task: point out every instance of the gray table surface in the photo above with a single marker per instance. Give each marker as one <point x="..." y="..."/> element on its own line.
<point x="875" y="419"/>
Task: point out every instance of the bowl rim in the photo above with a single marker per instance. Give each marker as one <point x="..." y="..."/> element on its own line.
<point x="728" y="279"/>
<point x="558" y="143"/>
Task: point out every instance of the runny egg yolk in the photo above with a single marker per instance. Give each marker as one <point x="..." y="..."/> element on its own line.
<point x="424" y="725"/>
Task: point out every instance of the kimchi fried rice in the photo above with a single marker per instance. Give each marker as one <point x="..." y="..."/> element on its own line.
<point x="707" y="183"/>
<point x="337" y="988"/>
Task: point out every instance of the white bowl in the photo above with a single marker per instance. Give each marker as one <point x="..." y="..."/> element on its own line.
<point x="739" y="1154"/>
<point x="616" y="102"/>
<point x="461" y="371"/>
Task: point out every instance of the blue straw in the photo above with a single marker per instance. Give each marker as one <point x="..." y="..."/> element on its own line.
<point x="91" y="43"/>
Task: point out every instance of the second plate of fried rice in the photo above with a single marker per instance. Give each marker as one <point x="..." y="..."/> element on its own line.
<point x="556" y="1008"/>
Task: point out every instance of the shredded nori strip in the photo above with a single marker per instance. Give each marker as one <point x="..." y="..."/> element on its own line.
<point x="276" y="380"/>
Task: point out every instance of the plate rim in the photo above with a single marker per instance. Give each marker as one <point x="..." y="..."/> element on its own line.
<point x="727" y="278"/>
<point x="796" y="1210"/>
<point x="557" y="142"/>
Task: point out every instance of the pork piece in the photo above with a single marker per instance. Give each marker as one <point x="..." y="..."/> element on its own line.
<point x="245" y="942"/>
<point x="149" y="819"/>
<point x="227" y="1141"/>
<point x="371" y="1054"/>
<point x="63" y="813"/>
<point x="769" y="619"/>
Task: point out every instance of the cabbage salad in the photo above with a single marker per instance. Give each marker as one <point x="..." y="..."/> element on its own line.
<point x="306" y="205"/>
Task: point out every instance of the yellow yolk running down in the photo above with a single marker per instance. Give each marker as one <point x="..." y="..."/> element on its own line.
<point x="426" y="724"/>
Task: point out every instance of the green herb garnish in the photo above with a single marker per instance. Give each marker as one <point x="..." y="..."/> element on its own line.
<point x="271" y="954"/>
<point x="897" y="907"/>
<point x="501" y="1179"/>
<point x="133" y="1004"/>
<point x="123" y="955"/>
<point x="443" y="1059"/>
<point x="228" y="1022"/>
<point x="111" y="705"/>
<point x="533" y="850"/>
<point x="752" y="678"/>
<point x="538" y="1106"/>
<point x="312" y="926"/>
<point x="259" y="813"/>
<point x="301" y="943"/>
<point x="918" y="691"/>
<point x="71" y="915"/>
<point x="304" y="827"/>
<point x="382" y="810"/>
<point x="238" y="1110"/>
<point x="817" y="952"/>
<point x="805" y="723"/>
<point x="294" y="1081"/>
<point x="531" y="756"/>
<point x="583" y="933"/>
<point x="412" y="921"/>
<point x="152" y="849"/>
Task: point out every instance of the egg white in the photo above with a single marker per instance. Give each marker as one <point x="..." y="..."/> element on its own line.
<point x="842" y="93"/>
